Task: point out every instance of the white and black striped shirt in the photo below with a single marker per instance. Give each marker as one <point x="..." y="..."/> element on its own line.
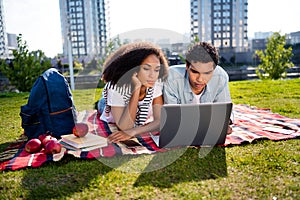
<point x="120" y="96"/>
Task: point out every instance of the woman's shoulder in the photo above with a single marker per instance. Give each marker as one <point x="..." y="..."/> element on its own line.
<point x="124" y="89"/>
<point x="158" y="85"/>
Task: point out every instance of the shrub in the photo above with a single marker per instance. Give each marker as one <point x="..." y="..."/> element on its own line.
<point x="276" y="59"/>
<point x="25" y="67"/>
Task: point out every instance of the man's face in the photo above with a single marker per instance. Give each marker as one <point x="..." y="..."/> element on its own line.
<point x="199" y="75"/>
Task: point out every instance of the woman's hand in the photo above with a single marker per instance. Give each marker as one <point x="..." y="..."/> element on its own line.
<point x="119" y="136"/>
<point x="136" y="81"/>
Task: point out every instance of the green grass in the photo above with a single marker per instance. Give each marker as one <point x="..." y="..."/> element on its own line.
<point x="281" y="96"/>
<point x="262" y="170"/>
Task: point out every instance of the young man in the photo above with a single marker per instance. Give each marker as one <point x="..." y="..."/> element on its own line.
<point x="201" y="80"/>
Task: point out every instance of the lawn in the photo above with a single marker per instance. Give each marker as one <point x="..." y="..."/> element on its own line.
<point x="262" y="170"/>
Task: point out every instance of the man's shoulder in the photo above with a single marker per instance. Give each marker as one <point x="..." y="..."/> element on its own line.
<point x="220" y="72"/>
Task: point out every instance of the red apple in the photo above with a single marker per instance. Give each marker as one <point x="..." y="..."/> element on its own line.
<point x="47" y="139"/>
<point x="42" y="137"/>
<point x="80" y="129"/>
<point x="53" y="147"/>
<point x="33" y="145"/>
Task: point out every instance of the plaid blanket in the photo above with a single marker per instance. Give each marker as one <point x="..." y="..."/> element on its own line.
<point x="250" y="123"/>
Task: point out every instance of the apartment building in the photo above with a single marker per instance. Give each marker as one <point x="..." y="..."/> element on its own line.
<point x="221" y="22"/>
<point x="84" y="25"/>
<point x="3" y="43"/>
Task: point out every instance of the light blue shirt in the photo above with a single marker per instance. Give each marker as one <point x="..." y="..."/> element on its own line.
<point x="177" y="89"/>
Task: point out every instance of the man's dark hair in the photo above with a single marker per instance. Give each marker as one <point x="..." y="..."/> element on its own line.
<point x="202" y="52"/>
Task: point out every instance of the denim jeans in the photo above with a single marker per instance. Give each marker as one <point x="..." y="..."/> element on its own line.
<point x="101" y="105"/>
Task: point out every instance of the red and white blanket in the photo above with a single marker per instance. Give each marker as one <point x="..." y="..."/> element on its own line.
<point x="250" y="124"/>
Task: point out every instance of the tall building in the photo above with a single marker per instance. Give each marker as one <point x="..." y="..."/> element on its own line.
<point x="85" y="23"/>
<point x="221" y="22"/>
<point x="3" y="45"/>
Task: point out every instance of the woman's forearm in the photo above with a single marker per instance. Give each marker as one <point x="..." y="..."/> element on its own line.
<point x="152" y="126"/>
<point x="128" y="116"/>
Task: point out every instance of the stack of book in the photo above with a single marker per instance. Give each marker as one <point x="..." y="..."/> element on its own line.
<point x="86" y="143"/>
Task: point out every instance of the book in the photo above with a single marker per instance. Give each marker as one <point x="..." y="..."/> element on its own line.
<point x="72" y="148"/>
<point x="83" y="142"/>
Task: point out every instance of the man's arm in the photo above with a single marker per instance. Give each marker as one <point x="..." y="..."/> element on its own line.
<point x="223" y="94"/>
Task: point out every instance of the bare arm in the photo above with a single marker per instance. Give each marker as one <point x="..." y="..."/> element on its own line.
<point x="152" y="126"/>
<point x="125" y="116"/>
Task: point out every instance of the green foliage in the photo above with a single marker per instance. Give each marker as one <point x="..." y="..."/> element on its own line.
<point x="77" y="66"/>
<point x="182" y="58"/>
<point x="93" y="64"/>
<point x="195" y="39"/>
<point x="112" y="45"/>
<point x="275" y="59"/>
<point x="26" y="66"/>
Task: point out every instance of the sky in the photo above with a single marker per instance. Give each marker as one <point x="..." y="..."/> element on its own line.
<point x="39" y="20"/>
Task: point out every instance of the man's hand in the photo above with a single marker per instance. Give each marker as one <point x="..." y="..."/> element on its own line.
<point x="229" y="130"/>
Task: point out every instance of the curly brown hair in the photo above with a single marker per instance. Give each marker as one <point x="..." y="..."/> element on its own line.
<point x="202" y="52"/>
<point x="120" y="65"/>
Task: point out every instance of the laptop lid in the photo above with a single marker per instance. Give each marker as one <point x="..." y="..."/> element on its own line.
<point x="194" y="124"/>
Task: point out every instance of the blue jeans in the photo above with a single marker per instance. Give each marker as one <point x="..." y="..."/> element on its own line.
<point x="101" y="105"/>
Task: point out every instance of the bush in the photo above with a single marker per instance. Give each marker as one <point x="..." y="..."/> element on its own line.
<point x="26" y="66"/>
<point x="276" y="59"/>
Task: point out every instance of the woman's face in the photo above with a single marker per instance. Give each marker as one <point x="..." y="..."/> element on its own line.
<point x="149" y="71"/>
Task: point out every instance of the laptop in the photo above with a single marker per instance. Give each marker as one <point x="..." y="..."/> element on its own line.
<point x="193" y="124"/>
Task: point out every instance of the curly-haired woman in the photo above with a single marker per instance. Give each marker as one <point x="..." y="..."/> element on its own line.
<point x="133" y="90"/>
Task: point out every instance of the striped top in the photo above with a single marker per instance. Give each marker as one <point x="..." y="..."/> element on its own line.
<point x="120" y="96"/>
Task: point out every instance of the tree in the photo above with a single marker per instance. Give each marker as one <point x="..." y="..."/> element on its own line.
<point x="25" y="67"/>
<point x="195" y="40"/>
<point x="111" y="46"/>
<point x="276" y="59"/>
